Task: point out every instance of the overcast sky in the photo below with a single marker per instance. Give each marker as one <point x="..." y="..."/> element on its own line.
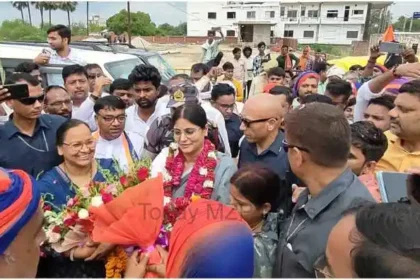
<point x="160" y="12"/>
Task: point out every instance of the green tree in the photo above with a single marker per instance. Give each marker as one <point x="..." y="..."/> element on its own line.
<point x="40" y="6"/>
<point x="399" y="24"/>
<point x="51" y="6"/>
<point x="16" y="30"/>
<point x="141" y="24"/>
<point x="20" y="6"/>
<point x="68" y="7"/>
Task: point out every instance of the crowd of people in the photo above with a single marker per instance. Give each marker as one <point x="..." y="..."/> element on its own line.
<point x="293" y="150"/>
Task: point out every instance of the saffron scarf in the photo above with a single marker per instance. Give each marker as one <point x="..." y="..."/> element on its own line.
<point x="210" y="240"/>
<point x="19" y="200"/>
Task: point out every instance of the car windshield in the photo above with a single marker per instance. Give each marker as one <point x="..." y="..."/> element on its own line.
<point x="165" y="70"/>
<point x="121" y="69"/>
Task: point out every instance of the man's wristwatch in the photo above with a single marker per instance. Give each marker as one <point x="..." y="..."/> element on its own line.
<point x="94" y="97"/>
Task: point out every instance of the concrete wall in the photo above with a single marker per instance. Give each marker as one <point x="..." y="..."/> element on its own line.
<point x="184" y="39"/>
<point x="261" y="33"/>
<point x="407" y="38"/>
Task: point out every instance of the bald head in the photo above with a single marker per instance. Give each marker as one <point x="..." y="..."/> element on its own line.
<point x="262" y="106"/>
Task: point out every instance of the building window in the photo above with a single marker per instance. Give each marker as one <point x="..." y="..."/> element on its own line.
<point x="211" y="15"/>
<point x="288" y="33"/>
<point x="270" y="14"/>
<point x="230" y="33"/>
<point x="282" y="11"/>
<point x="271" y="33"/>
<point x="308" y="34"/>
<point x="303" y="11"/>
<point x="352" y="34"/>
<point x="250" y="14"/>
<point x="231" y="15"/>
<point x="358" y="12"/>
<point x="332" y="14"/>
<point x="292" y="13"/>
<point x="312" y="14"/>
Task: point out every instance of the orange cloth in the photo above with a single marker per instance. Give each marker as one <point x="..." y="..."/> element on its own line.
<point x="269" y="87"/>
<point x="133" y="218"/>
<point x="388" y="35"/>
<point x="126" y="147"/>
<point x="369" y="180"/>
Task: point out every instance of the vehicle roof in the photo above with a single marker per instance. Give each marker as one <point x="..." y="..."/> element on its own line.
<point x="90" y="56"/>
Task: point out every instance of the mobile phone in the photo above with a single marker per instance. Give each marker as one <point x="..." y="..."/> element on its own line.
<point x="392" y="185"/>
<point x="390" y="47"/>
<point x="17" y="91"/>
<point x="45" y="51"/>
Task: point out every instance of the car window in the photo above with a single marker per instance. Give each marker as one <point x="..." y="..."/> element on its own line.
<point x="121" y="69"/>
<point x="165" y="70"/>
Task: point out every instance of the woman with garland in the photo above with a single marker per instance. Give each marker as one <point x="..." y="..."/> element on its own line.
<point x="77" y="146"/>
<point x="191" y="166"/>
<point x="260" y="197"/>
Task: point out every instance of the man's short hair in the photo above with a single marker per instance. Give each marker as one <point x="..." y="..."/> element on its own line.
<point x="351" y="102"/>
<point x="50" y="88"/>
<point x="323" y="130"/>
<point x="15" y="78"/>
<point x="412" y="87"/>
<point x="276" y="71"/>
<point x="74" y="69"/>
<point x="228" y="66"/>
<point x="145" y="73"/>
<point x="339" y="88"/>
<point x="247" y="48"/>
<point x="26" y="67"/>
<point x="236" y="50"/>
<point x="200" y="67"/>
<point x="221" y="90"/>
<point x="355" y="67"/>
<point x="109" y="102"/>
<point x="92" y="66"/>
<point x="62" y="30"/>
<point x="120" y="84"/>
<point x="320" y="66"/>
<point x="284" y="47"/>
<point x="386" y="101"/>
<point x="313" y="98"/>
<point x="369" y="139"/>
<point x="261" y="44"/>
<point x="184" y="77"/>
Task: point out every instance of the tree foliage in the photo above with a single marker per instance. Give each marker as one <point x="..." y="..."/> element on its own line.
<point x="16" y="30"/>
<point x="399" y="24"/>
<point x="142" y="25"/>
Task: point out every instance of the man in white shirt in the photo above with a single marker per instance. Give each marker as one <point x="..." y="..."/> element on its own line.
<point x="249" y="66"/>
<point x="238" y="62"/>
<point x="76" y="83"/>
<point x="59" y="37"/>
<point x="211" y="46"/>
<point x="146" y="81"/>
<point x="115" y="146"/>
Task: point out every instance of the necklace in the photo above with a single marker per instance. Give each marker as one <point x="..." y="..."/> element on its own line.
<point x="257" y="226"/>
<point x="70" y="177"/>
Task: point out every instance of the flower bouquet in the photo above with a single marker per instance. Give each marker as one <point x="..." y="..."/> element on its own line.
<point x="72" y="224"/>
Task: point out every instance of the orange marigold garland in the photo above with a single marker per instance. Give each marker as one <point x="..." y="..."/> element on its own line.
<point x="116" y="263"/>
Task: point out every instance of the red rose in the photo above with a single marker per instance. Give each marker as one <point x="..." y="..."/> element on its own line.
<point x="124" y="181"/>
<point x="47" y="207"/>
<point x="142" y="174"/>
<point x="56" y="229"/>
<point x="106" y="197"/>
<point x="69" y="222"/>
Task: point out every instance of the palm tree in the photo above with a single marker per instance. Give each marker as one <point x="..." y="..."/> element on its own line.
<point x="50" y="6"/>
<point x="29" y="12"/>
<point x="40" y="6"/>
<point x="69" y="7"/>
<point x="20" y="6"/>
<point x="87" y="18"/>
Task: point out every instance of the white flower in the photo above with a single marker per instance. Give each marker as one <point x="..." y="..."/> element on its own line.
<point x="83" y="214"/>
<point x="53" y="237"/>
<point x="208" y="184"/>
<point x="166" y="176"/>
<point x="203" y="171"/>
<point x="173" y="146"/>
<point x="166" y="200"/>
<point x="212" y="154"/>
<point x="85" y="191"/>
<point x="96" y="201"/>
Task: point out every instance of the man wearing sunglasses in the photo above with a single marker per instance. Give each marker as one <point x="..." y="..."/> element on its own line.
<point x="317" y="143"/>
<point x="260" y="123"/>
<point x="28" y="139"/>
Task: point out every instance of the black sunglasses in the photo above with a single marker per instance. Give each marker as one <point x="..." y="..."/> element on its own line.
<point x="32" y="100"/>
<point x="248" y="123"/>
<point x="287" y="146"/>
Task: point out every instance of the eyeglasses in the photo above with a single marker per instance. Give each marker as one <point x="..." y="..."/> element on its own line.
<point x="77" y="146"/>
<point x="248" y="123"/>
<point x="32" y="100"/>
<point x="287" y="146"/>
<point x="93" y="76"/>
<point x="111" y="119"/>
<point x="322" y="269"/>
<point x="189" y="132"/>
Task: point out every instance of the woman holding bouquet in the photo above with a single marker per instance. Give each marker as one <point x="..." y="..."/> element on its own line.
<point x="58" y="186"/>
<point x="191" y="166"/>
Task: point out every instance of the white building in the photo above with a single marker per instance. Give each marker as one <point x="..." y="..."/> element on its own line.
<point x="308" y="21"/>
